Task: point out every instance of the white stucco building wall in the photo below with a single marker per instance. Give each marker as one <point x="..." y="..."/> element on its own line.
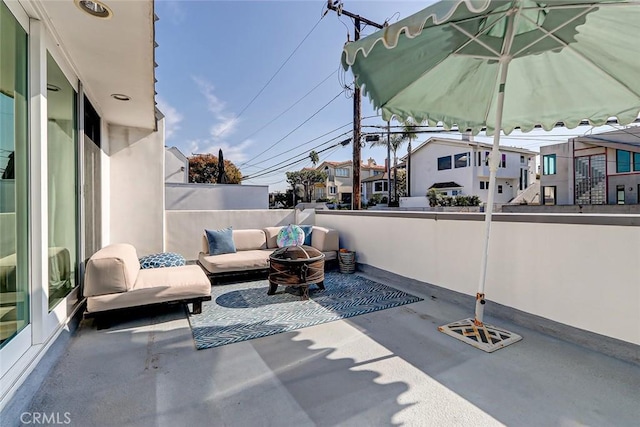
<point x="216" y="196"/>
<point x="137" y="187"/>
<point x="176" y="166"/>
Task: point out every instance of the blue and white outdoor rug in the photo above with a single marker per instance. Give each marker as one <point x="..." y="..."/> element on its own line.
<point x="244" y="311"/>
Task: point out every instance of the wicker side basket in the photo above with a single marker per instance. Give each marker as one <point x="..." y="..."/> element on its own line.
<point x="347" y="262"/>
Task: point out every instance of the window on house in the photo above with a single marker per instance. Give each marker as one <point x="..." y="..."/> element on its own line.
<point x="482" y="185"/>
<point x="461" y="160"/>
<point x="380" y="186"/>
<point x="523" y="183"/>
<point x="623" y="161"/>
<point x="549" y="195"/>
<point x="549" y="164"/>
<point x="332" y="190"/>
<point x="455" y="192"/>
<point x="499" y="189"/>
<point x="444" y="163"/>
<point x="522" y="160"/>
<point x="342" y="172"/>
<point x="486" y="158"/>
<point x="503" y="161"/>
<point x="636" y="162"/>
<point x="620" y="194"/>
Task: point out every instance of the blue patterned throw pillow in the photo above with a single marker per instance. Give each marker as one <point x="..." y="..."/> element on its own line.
<point x="308" y="229"/>
<point x="221" y="241"/>
<point x="163" y="259"/>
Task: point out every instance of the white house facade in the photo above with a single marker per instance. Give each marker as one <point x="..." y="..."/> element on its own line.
<point x="460" y="167"/>
<point x="592" y="170"/>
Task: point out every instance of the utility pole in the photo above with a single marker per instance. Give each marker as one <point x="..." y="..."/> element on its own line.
<point x="357" y="103"/>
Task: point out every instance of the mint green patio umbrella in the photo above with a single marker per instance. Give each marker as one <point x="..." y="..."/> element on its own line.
<point x="501" y="65"/>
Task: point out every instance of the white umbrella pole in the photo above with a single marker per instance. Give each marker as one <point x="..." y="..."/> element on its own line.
<point x="494" y="162"/>
<point x="473" y="331"/>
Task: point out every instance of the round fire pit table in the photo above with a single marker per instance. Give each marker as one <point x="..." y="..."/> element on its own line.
<point x="297" y="266"/>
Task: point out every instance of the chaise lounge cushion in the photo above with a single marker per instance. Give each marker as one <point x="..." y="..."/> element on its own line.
<point x="113" y="280"/>
<point x="110" y="270"/>
<point x="156" y="285"/>
<point x="243" y="260"/>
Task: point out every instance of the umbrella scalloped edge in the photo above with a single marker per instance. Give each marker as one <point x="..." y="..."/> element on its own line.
<point x="411" y="26"/>
<point x="623" y="118"/>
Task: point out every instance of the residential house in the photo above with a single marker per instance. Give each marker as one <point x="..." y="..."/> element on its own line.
<point x="376" y="184"/>
<point x="339" y="183"/>
<point x="592" y="170"/>
<point x="461" y="167"/>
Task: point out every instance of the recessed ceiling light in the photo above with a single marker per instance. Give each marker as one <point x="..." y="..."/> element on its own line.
<point x="120" y="97"/>
<point x="52" y="88"/>
<point x="94" y="8"/>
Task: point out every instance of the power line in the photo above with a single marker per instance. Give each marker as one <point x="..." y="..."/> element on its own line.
<point x="295" y="129"/>
<point x="302" y="145"/>
<point x="293" y="105"/>
<point x="344" y="143"/>
<point x="304" y="154"/>
<point x="271" y="79"/>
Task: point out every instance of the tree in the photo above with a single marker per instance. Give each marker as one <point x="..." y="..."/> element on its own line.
<point x="409" y="131"/>
<point x="395" y="143"/>
<point x="307" y="178"/>
<point x="401" y="182"/>
<point x="314" y="158"/>
<point x="203" y="168"/>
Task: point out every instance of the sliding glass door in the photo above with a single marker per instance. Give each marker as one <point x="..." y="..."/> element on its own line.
<point x="62" y="185"/>
<point x="14" y="278"/>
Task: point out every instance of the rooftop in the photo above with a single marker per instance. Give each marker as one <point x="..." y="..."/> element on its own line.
<point x="390" y="367"/>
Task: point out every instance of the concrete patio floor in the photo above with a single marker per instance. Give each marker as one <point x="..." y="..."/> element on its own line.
<point x="391" y="367"/>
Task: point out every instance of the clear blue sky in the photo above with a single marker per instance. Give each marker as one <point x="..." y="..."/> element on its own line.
<point x="215" y="58"/>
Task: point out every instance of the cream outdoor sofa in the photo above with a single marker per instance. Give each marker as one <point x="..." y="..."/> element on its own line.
<point x="114" y="280"/>
<point x="253" y="248"/>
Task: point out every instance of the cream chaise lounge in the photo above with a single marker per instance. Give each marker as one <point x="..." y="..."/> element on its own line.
<point x="114" y="280"/>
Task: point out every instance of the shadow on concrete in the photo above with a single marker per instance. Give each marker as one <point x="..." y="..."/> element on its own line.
<point x="144" y="370"/>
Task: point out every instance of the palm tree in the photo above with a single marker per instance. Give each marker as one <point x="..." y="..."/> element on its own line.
<point x="409" y="131"/>
<point x="314" y="157"/>
<point x="395" y="143"/>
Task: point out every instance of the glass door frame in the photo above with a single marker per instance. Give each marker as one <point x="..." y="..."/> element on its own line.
<point x="15" y="352"/>
<point x="53" y="321"/>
